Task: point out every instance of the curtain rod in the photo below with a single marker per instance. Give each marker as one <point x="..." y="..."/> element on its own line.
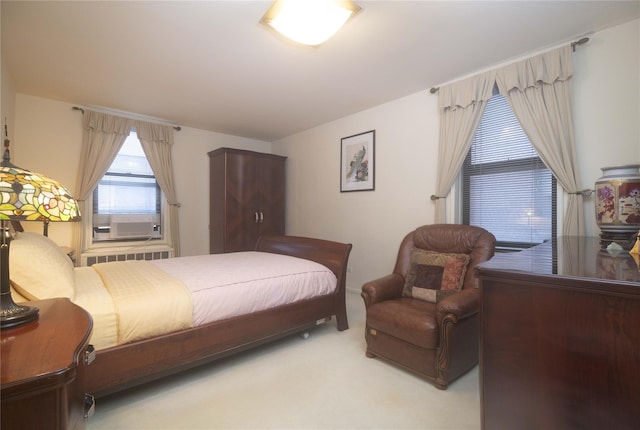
<point x="176" y="127"/>
<point x="581" y="41"/>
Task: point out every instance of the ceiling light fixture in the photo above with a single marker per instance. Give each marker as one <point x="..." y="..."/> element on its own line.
<point x="309" y="22"/>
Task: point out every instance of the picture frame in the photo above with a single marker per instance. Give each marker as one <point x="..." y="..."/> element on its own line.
<point x="357" y="162"/>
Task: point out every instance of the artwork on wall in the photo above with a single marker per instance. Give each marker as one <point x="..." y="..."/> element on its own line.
<point x="357" y="163"/>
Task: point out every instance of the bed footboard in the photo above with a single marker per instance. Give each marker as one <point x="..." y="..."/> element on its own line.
<point x="333" y="255"/>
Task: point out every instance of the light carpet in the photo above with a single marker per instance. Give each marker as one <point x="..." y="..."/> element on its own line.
<point x="323" y="382"/>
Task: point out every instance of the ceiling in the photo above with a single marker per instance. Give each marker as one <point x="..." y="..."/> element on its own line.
<point x="210" y="65"/>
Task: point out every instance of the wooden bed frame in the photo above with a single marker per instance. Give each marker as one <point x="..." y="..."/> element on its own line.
<point x="124" y="366"/>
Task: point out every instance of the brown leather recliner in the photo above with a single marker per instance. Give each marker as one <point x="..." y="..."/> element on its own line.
<point x="438" y="341"/>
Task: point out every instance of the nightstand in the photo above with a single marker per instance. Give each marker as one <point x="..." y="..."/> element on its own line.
<point x="43" y="363"/>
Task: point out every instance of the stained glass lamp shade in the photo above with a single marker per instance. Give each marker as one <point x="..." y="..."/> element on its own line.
<point x="26" y="196"/>
<point x="30" y="196"/>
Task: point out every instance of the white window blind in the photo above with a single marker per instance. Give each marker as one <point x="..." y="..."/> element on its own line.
<point x="506" y="187"/>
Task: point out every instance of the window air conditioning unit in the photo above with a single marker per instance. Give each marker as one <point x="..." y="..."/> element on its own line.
<point x="131" y="226"/>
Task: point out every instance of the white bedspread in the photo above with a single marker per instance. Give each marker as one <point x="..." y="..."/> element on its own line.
<point x="228" y="285"/>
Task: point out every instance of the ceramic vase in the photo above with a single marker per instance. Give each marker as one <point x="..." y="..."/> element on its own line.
<point x="618" y="200"/>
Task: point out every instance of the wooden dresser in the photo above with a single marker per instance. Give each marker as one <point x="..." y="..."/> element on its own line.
<point x="42" y="365"/>
<point x="247" y="198"/>
<point x="560" y="338"/>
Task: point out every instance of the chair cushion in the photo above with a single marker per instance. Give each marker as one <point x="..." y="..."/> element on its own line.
<point x="411" y="320"/>
<point x="434" y="275"/>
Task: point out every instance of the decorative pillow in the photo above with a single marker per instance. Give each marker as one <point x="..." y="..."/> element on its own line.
<point x="434" y="276"/>
<point x="39" y="269"/>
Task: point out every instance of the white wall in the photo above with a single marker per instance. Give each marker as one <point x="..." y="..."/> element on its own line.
<point x="8" y="100"/>
<point x="606" y="115"/>
<point x="607" y="105"/>
<point x="7" y="97"/>
<point x="48" y="138"/>
<point x="373" y="221"/>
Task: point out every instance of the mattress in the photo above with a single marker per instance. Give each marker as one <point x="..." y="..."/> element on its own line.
<point x="238" y="283"/>
<point x="221" y="286"/>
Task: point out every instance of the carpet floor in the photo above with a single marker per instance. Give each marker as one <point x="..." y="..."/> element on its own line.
<point x="322" y="382"/>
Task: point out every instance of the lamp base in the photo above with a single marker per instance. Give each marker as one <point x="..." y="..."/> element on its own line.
<point x="13" y="315"/>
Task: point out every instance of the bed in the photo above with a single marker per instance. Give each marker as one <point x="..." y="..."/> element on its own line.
<point x="197" y="317"/>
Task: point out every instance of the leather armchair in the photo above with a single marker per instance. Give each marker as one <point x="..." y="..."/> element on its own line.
<point x="438" y="341"/>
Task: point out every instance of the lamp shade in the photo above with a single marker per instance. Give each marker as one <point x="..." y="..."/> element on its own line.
<point x="309" y="22"/>
<point x="29" y="196"/>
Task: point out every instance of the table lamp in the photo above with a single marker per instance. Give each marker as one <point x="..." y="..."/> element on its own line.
<point x="26" y="196"/>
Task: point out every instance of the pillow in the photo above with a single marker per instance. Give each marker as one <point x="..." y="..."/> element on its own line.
<point x="434" y="276"/>
<point x="39" y="269"/>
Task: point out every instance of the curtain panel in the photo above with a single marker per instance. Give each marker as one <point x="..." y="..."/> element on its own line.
<point x="539" y="92"/>
<point x="461" y="105"/>
<point x="156" y="141"/>
<point x="102" y="138"/>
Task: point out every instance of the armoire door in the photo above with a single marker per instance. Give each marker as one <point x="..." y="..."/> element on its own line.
<point x="242" y="203"/>
<point x="271" y="190"/>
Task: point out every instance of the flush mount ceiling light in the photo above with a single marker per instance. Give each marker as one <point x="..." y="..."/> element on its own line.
<point x="310" y="22"/>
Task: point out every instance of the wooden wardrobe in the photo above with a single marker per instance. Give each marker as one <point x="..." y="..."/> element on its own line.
<point x="247" y="198"/>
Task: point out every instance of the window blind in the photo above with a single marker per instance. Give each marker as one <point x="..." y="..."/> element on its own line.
<point x="507" y="189"/>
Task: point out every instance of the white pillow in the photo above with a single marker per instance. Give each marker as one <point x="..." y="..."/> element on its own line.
<point x="39" y="269"/>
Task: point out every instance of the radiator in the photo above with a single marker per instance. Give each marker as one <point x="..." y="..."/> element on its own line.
<point x="93" y="258"/>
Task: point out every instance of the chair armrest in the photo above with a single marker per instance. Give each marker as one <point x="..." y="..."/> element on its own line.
<point x="461" y="305"/>
<point x="385" y="288"/>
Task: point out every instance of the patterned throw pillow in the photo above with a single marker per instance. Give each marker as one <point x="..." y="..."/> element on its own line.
<point x="434" y="276"/>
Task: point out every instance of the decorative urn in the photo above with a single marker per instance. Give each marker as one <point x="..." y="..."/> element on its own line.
<point x="618" y="203"/>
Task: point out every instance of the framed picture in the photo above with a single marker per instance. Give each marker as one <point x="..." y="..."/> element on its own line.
<point x="357" y="162"/>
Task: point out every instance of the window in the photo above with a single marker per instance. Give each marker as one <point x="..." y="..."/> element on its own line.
<point x="507" y="189"/>
<point x="127" y="201"/>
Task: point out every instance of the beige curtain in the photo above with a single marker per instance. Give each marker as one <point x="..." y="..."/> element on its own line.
<point x="156" y="141"/>
<point x="461" y="105"/>
<point x="538" y="90"/>
<point x="102" y="137"/>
